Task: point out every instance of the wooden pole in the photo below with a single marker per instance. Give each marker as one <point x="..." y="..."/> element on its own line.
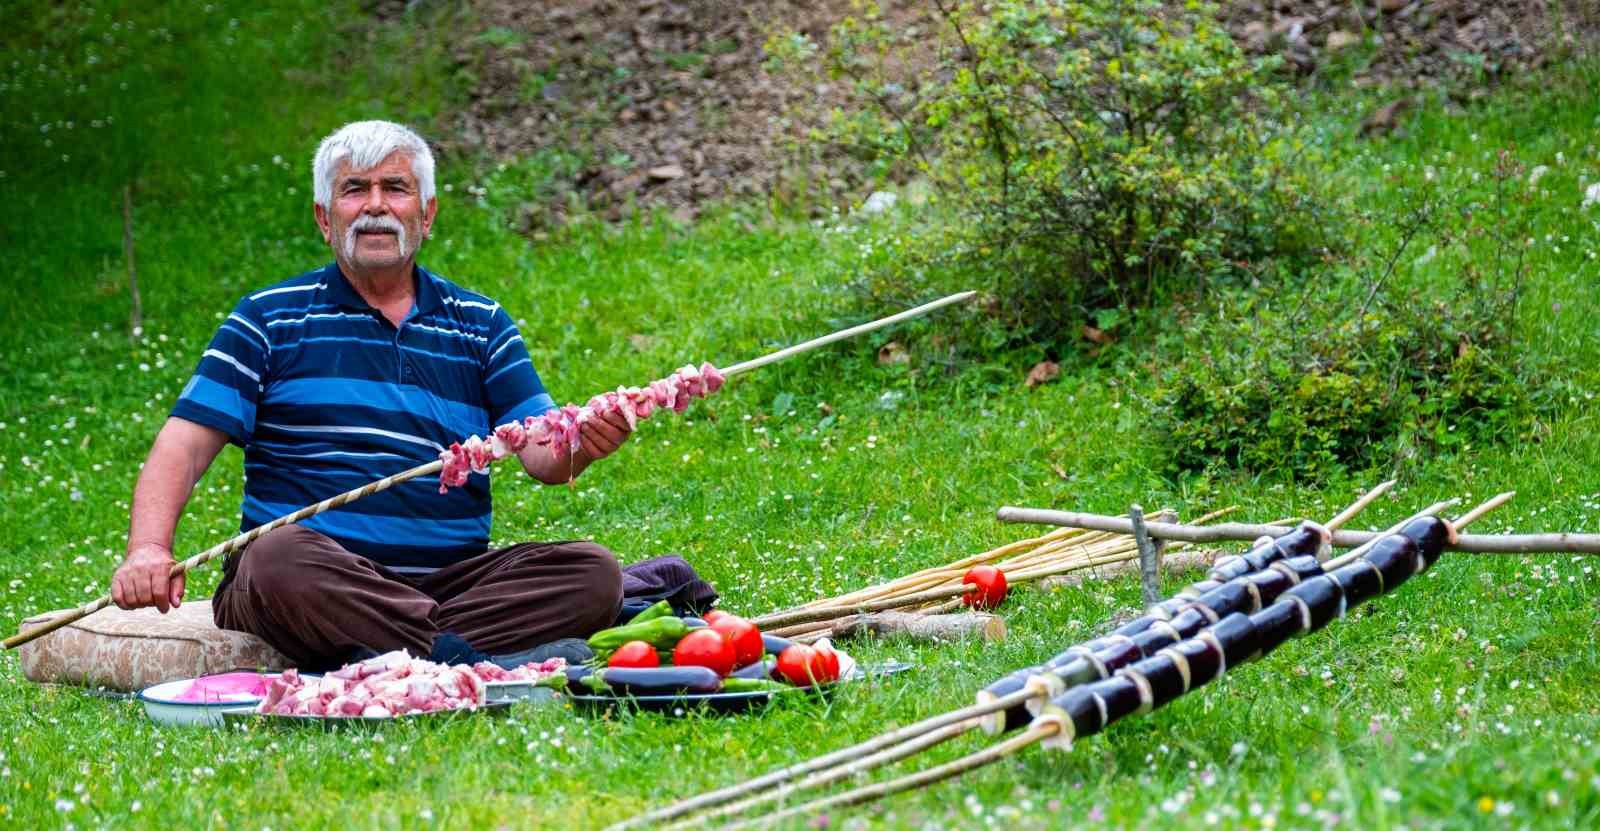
<point x="1149" y="558"/>
<point x="1557" y="543"/>
<point x="136" y="314"/>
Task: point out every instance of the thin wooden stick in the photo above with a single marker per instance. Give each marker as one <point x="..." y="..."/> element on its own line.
<point x="866" y="763"/>
<point x="846" y="333"/>
<point x="939" y="773"/>
<point x="234" y="544"/>
<point x="1466" y="519"/>
<point x="1477" y="513"/>
<point x="1359" y="505"/>
<point x="369" y="489"/>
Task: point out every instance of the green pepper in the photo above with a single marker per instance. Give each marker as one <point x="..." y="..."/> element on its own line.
<point x="660" y="609"/>
<point x="661" y="633"/>
<point x="732" y="684"/>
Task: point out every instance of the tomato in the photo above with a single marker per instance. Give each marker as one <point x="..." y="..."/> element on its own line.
<point x="988" y="587"/>
<point x="825" y="664"/>
<point x="634" y="655"/>
<point x="714" y="615"/>
<point x="797" y="664"/>
<point x="705" y="648"/>
<point x="744" y="636"/>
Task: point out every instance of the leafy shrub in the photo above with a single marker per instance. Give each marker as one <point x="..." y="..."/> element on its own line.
<point x="1091" y="151"/>
<point x="1375" y="362"/>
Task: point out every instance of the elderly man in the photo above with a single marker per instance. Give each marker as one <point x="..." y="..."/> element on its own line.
<point x="363" y="368"/>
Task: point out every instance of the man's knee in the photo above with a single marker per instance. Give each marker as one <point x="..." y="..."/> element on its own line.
<point x="279" y="561"/>
<point x="601" y="576"/>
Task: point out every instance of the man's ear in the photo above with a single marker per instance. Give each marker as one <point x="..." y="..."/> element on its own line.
<point x="324" y="222"/>
<point x="427" y="216"/>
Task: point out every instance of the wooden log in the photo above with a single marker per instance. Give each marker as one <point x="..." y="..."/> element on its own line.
<point x="923" y="627"/>
<point x="1557" y="543"/>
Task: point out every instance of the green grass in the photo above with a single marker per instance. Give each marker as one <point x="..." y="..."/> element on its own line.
<point x="1470" y="689"/>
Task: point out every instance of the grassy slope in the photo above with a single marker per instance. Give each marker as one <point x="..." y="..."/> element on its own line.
<point x="1467" y="694"/>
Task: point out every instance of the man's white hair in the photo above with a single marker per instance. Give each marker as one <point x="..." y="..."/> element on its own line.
<point x="364" y="144"/>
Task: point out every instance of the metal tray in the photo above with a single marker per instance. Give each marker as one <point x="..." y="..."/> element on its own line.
<point x="249" y="717"/>
<point x="736" y="702"/>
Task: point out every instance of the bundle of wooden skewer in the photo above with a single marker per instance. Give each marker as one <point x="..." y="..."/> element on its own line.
<point x="1245" y="608"/>
<point x="916" y="604"/>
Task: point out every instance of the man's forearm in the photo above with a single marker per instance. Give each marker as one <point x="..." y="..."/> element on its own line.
<point x="545" y="466"/>
<point x="175" y="464"/>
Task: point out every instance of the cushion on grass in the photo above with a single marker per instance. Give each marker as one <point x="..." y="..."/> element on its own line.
<point x="132" y="650"/>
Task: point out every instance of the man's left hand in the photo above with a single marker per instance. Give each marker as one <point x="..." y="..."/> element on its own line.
<point x="602" y="435"/>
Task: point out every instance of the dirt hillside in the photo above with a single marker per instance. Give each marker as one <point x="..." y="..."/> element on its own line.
<point x="672" y="99"/>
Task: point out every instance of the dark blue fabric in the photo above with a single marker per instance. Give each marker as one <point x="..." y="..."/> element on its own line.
<point x="325" y="394"/>
<point x="668" y="577"/>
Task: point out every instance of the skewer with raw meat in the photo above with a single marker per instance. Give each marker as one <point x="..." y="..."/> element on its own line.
<point x="1237" y="638"/>
<point x="506" y="437"/>
<point x="558" y="429"/>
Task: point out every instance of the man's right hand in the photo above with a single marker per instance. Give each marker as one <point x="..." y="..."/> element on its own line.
<point x="143" y="580"/>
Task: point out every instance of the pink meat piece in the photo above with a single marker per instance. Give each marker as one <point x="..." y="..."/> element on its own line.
<point x="693" y="384"/>
<point x="558" y="429"/>
<point x="490" y="672"/>
<point x="376" y="711"/>
<point x="455" y="467"/>
<point x="714" y="378"/>
<point x="509" y="438"/>
<point x="479" y="454"/>
<point x="276" y="689"/>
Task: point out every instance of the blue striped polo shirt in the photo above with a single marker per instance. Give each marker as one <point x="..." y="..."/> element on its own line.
<point x="325" y="394"/>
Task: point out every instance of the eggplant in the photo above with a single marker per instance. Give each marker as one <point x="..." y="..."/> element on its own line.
<point x="759" y="669"/>
<point x="775" y="645"/>
<point x="694" y="622"/>
<point x="658" y="680"/>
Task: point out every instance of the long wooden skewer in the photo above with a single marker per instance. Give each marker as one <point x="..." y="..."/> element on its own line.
<point x="1557" y="543"/>
<point x="882" y="748"/>
<point x="994" y="753"/>
<point x="385" y="483"/>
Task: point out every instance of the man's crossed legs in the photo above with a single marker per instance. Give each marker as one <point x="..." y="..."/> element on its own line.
<point x="319" y="604"/>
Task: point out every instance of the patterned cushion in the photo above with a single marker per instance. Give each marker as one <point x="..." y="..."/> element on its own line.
<point x="133" y="650"/>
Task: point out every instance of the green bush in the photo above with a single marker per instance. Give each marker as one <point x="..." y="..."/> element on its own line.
<point x="1091" y="152"/>
<point x="1409" y="350"/>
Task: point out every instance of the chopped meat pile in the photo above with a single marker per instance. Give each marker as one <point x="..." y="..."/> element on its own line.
<point x="558" y="428"/>
<point x="527" y="672"/>
<point x="394" y="684"/>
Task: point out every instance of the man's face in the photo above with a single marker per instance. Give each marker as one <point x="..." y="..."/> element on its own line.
<point x="377" y="219"/>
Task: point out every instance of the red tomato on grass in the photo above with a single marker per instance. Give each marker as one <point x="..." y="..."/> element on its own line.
<point x="988" y="587"/>
<point x="634" y="655"/>
<point x="795" y="664"/>
<point x="803" y="665"/>
<point x="744" y="636"/>
<point x="714" y="615"/>
<point x="825" y="666"/>
<point x="705" y="648"/>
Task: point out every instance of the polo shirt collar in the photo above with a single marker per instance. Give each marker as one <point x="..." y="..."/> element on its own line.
<point x="427" y="297"/>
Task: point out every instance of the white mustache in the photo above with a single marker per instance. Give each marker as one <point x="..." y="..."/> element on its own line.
<point x="367" y="222"/>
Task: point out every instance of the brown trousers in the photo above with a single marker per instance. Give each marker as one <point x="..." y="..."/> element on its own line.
<point x="317" y="602"/>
